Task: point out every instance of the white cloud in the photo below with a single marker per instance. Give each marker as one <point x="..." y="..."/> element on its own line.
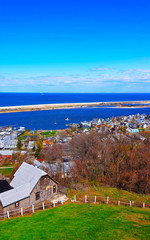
<point x="105" y="80"/>
<point x="142" y="70"/>
<point x="102" y="69"/>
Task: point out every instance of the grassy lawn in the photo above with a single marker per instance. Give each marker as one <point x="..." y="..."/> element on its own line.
<point x="80" y="221"/>
<point x="20" y="138"/>
<point x="7" y="164"/>
<point x="113" y="193"/>
<point x="48" y="133"/>
<point x="6" y="171"/>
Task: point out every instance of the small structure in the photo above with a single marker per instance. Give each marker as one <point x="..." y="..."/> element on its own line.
<point x="85" y="124"/>
<point x="11" y="144"/>
<point x="6" y="154"/>
<point x="31" y="144"/>
<point x="30" y="186"/>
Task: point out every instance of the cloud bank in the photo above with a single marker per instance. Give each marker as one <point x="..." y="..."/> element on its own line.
<point x="102" y="80"/>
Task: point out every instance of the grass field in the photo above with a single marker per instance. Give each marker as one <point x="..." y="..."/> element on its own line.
<point x="113" y="193"/>
<point x="48" y="133"/>
<point x="80" y="221"/>
<point x="6" y="171"/>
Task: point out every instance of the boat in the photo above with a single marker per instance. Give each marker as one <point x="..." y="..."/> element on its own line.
<point x="67" y="119"/>
<point x="55" y="123"/>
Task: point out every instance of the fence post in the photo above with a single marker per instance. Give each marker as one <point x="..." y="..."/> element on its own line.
<point x="8" y="214"/>
<point x="33" y="208"/>
<point x="95" y="200"/>
<point x="43" y="205"/>
<point x="53" y="203"/>
<point x="118" y="203"/>
<point x="130" y="203"/>
<point x="75" y="199"/>
<point x="21" y="211"/>
<point x="85" y="198"/>
<point x="107" y="200"/>
<point x="143" y="204"/>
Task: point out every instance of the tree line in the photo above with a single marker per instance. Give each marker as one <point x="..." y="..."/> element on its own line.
<point x="120" y="160"/>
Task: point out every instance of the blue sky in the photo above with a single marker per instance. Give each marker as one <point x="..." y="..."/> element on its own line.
<point x="74" y="46"/>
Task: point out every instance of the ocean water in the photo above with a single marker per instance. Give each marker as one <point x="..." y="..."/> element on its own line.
<point x="46" y="119"/>
<point x="15" y="99"/>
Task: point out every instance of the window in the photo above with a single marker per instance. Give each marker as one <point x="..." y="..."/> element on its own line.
<point x="37" y="196"/>
<point x="16" y="204"/>
<point x="54" y="188"/>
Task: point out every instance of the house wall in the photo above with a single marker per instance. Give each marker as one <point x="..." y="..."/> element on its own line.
<point x="22" y="204"/>
<point x="45" y="187"/>
<point x="1" y="209"/>
<point x="6" y="156"/>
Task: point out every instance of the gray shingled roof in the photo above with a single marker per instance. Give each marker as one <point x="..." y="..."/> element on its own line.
<point x="27" y="174"/>
<point x="25" y="179"/>
<point x="15" y="195"/>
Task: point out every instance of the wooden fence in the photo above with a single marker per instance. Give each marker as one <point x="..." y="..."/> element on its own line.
<point x="30" y="210"/>
<point x="111" y="201"/>
<point x="86" y="199"/>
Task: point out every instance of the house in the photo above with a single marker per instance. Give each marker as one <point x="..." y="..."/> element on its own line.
<point x="63" y="167"/>
<point x="31" y="144"/>
<point x="85" y="124"/>
<point x="1" y="144"/>
<point x="30" y="186"/>
<point x="47" y="143"/>
<point x="135" y="130"/>
<point x="6" y="154"/>
<point x="11" y="144"/>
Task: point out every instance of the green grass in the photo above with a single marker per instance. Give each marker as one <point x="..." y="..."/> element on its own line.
<point x="7" y="164"/>
<point x="80" y="221"/>
<point x="113" y="193"/>
<point x="20" y="138"/>
<point x="48" y="133"/>
<point x="6" y="171"/>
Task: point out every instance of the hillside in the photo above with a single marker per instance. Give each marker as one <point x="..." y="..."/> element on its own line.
<point x="80" y="221"/>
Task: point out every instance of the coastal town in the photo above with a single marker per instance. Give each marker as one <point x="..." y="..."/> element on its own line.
<point x="86" y="150"/>
<point x="20" y="143"/>
<point x="75" y="120"/>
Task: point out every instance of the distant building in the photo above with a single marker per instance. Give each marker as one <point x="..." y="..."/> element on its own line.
<point x="85" y="124"/>
<point x="135" y="130"/>
<point x="11" y="144"/>
<point x="6" y="154"/>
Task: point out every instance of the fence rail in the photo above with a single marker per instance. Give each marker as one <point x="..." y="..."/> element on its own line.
<point x="30" y="210"/>
<point x="107" y="200"/>
<point x="87" y="199"/>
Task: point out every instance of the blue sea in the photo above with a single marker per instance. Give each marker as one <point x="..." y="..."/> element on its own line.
<point x="46" y="119"/>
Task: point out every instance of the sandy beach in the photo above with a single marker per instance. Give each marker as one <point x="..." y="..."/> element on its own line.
<point x="24" y="108"/>
<point x="128" y="107"/>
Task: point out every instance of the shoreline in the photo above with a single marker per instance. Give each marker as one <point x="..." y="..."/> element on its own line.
<point x="128" y="107"/>
<point x="40" y="107"/>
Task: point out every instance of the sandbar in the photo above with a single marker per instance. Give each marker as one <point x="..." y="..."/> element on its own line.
<point x="38" y="107"/>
